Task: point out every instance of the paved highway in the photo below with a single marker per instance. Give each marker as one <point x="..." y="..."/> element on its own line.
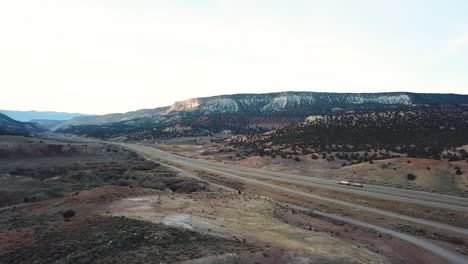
<point x="381" y="192"/>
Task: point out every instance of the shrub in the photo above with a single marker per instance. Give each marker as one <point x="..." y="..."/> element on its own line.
<point x="146" y="166"/>
<point x="411" y="177"/>
<point x="206" y="153"/>
<point x="186" y="186"/>
<point x="68" y="214"/>
<point x="122" y="182"/>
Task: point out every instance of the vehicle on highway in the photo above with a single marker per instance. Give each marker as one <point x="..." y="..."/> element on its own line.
<point x="350" y="183"/>
<point x="344" y="183"/>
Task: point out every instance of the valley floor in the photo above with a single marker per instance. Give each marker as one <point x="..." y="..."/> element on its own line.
<point x="165" y="208"/>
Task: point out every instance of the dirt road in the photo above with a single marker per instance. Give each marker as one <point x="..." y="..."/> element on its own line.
<point x="245" y="174"/>
<point x="448" y="255"/>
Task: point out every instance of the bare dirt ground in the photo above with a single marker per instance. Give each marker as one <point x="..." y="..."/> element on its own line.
<point x="132" y="210"/>
<point x="430" y="175"/>
<point x="37" y="233"/>
<point x="247" y="218"/>
<point x="457" y="242"/>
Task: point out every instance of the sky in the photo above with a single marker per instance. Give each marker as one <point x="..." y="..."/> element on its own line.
<point x="103" y="56"/>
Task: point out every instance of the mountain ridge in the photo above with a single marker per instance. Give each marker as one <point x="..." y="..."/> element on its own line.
<point x="278" y="103"/>
<point x="27" y="116"/>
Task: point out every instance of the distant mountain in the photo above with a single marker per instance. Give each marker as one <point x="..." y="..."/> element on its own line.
<point x="26" y="116"/>
<point x="9" y="126"/>
<point x="245" y="113"/>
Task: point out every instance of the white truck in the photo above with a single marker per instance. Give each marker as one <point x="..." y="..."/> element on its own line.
<point x="350" y="183"/>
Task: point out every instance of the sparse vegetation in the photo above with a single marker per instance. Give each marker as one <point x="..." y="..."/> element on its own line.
<point x="186" y="126"/>
<point x="24" y="181"/>
<point x="119" y="239"/>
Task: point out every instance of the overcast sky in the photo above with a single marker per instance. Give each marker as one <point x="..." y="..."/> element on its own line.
<point x="115" y="56"/>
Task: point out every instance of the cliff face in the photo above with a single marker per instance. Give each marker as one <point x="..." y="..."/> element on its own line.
<point x="307" y="103"/>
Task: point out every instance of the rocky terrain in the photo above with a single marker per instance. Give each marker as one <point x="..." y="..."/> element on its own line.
<point x="307" y="103"/>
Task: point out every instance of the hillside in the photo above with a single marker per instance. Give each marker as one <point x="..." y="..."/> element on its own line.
<point x="9" y="126"/>
<point x="182" y="126"/>
<point x="419" y="132"/>
<point x="47" y="124"/>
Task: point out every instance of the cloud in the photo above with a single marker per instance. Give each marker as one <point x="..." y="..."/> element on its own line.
<point x="457" y="44"/>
